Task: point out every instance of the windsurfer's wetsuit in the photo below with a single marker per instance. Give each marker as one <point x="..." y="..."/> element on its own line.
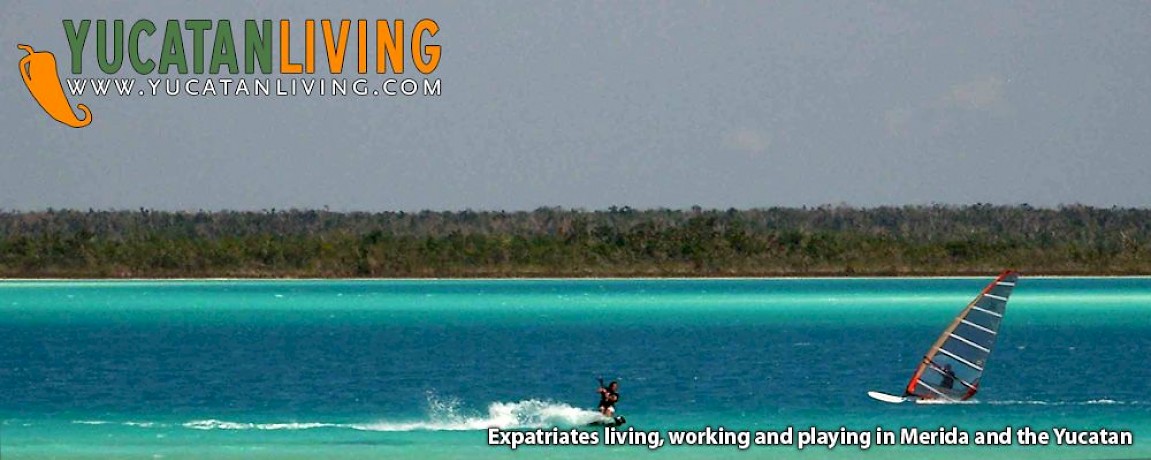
<point x="948" y="381"/>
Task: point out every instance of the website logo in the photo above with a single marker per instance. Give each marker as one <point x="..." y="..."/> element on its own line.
<point x="224" y="58"/>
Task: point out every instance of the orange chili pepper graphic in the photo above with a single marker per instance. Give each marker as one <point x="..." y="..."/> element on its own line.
<point x="39" y="71"/>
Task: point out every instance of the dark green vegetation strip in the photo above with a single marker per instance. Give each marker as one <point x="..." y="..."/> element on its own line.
<point x="554" y="242"/>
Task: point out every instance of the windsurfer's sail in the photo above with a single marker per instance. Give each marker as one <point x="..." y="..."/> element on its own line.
<point x="953" y="365"/>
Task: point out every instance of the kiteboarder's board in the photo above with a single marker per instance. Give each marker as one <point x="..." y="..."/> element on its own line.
<point x="609" y="422"/>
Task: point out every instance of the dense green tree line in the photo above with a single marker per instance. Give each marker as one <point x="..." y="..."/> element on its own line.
<point x="563" y="242"/>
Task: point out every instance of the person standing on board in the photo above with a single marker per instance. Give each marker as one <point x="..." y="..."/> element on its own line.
<point x="948" y="377"/>
<point x="608" y="396"/>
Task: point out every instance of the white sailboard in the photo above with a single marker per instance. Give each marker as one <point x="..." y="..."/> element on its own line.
<point x="886" y="397"/>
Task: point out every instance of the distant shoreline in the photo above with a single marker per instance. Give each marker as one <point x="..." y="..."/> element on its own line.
<point x="575" y="278"/>
<point x="823" y="242"/>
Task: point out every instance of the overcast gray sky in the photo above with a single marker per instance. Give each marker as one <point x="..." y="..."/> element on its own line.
<point x="592" y="104"/>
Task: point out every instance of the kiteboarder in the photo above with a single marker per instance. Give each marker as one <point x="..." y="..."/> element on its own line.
<point x="608" y="396"/>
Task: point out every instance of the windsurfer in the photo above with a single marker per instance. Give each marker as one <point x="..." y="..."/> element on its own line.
<point x="948" y="381"/>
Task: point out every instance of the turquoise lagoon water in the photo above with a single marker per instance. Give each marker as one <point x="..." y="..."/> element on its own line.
<point x="420" y="369"/>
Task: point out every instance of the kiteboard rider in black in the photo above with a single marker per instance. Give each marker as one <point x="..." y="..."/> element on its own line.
<point x="608" y="396"/>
